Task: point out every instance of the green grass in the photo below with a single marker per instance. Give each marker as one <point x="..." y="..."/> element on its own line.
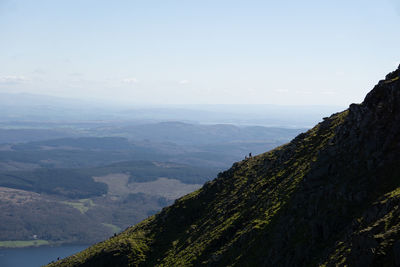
<point x="82" y="205"/>
<point x="23" y="243"/>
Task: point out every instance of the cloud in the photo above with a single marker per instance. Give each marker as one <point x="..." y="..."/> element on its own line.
<point x="282" y="91"/>
<point x="328" y="93"/>
<point x="303" y="92"/>
<point x="39" y="72"/>
<point x="12" y="79"/>
<point x="340" y="73"/>
<point x="129" y="80"/>
<point x="183" y="82"/>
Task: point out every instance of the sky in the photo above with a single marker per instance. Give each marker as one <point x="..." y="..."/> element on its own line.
<point x="199" y="52"/>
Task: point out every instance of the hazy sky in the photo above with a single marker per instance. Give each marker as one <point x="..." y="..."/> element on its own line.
<point x="199" y="51"/>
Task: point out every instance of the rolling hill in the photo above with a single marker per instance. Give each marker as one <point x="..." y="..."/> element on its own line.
<point x="81" y="189"/>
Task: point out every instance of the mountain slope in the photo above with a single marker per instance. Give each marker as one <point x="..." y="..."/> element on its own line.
<point x="329" y="197"/>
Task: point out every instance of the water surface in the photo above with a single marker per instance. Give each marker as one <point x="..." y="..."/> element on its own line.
<point x="35" y="256"/>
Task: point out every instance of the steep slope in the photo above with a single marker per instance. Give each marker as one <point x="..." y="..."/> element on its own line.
<point x="329" y="197"/>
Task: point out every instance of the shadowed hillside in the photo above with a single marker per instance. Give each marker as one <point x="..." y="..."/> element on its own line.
<point x="329" y="197"/>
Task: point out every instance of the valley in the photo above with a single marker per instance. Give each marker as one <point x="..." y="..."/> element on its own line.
<point x="97" y="181"/>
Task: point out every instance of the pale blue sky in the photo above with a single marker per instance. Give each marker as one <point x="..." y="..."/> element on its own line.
<point x="199" y="51"/>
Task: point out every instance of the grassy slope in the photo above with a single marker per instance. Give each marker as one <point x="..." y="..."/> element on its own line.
<point x="375" y="237"/>
<point x="330" y="197"/>
<point x="242" y="203"/>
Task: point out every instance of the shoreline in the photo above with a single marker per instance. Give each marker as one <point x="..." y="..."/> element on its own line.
<point x="14" y="244"/>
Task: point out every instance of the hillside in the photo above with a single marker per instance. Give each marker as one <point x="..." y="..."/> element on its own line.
<point x="329" y="197"/>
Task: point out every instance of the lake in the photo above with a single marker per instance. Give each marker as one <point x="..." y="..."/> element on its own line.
<point x="35" y="256"/>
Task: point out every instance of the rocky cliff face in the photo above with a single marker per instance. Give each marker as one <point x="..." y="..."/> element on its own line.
<point x="329" y="197"/>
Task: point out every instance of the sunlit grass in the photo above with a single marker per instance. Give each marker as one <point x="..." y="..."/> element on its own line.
<point x="23" y="243"/>
<point x="82" y="205"/>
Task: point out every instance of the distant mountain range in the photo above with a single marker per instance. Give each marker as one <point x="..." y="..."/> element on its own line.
<point x="330" y="197"/>
<point x="41" y="108"/>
